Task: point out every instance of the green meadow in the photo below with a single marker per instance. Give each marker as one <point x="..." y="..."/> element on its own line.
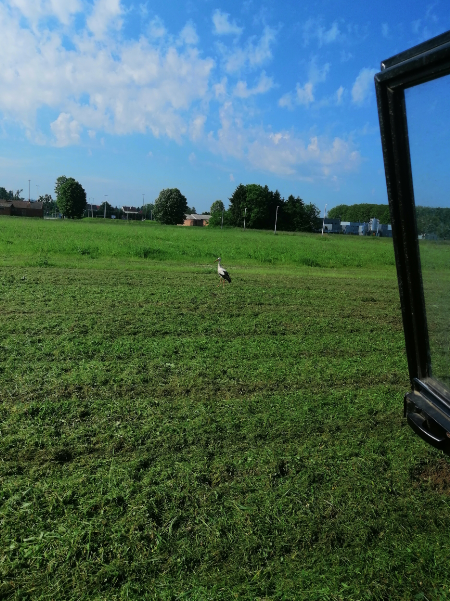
<point x="164" y="439"/>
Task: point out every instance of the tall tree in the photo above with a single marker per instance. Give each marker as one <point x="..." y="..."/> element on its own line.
<point x="47" y="201"/>
<point x="217" y="207"/>
<point x="170" y="206"/>
<point x="71" y="198"/>
<point x="237" y="205"/>
<point x="59" y="182"/>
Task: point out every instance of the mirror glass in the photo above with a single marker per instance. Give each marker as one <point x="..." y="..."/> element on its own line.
<point x="428" y="115"/>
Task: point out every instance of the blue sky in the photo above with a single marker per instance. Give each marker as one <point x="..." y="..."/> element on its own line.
<point x="132" y="97"/>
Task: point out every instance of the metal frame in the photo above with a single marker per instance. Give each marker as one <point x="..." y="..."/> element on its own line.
<point x="427" y="407"/>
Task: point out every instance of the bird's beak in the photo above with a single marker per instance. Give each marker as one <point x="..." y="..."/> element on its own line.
<point x="216" y="260"/>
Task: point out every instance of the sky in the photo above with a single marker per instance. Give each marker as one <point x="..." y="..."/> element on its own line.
<point x="131" y="97"/>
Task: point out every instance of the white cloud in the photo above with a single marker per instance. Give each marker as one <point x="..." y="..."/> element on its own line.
<point x="304" y="94"/>
<point x="363" y="86"/>
<point x="264" y="85"/>
<point x="33" y="10"/>
<point x="285" y="153"/>
<point x="107" y="86"/>
<point x="314" y="30"/>
<point x="286" y="101"/>
<point x="105" y="15"/>
<point x="223" y="25"/>
<point x="339" y="94"/>
<point x="254" y="54"/>
<point x="66" y="130"/>
<point x="188" y="35"/>
<point x="156" y="29"/>
<point x="231" y="177"/>
<point x="196" y="127"/>
<point x="220" y="89"/>
<point x="385" y="30"/>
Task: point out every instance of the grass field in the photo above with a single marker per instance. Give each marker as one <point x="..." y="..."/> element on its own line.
<point x="162" y="438"/>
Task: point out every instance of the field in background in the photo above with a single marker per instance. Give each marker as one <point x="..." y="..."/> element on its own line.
<point x="98" y="243"/>
<point x="166" y="439"/>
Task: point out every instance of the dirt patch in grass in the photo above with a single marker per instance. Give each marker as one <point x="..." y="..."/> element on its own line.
<point x="434" y="475"/>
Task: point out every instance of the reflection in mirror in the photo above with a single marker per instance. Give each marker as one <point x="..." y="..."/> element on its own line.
<point x="428" y="114"/>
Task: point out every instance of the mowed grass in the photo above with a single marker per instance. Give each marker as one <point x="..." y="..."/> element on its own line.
<point x="162" y="438"/>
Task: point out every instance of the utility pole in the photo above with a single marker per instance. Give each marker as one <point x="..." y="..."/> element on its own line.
<point x="324" y="216"/>
<point x="245" y="213"/>
<point x="29" y="189"/>
<point x="143" y="207"/>
<point x="276" y="217"/>
<point x="104" y="214"/>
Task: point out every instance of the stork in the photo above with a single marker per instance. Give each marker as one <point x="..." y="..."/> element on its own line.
<point x="223" y="273"/>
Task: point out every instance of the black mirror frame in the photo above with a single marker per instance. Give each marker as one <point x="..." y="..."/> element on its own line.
<point x="427" y="407"/>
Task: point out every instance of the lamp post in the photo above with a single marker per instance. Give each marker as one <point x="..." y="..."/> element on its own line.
<point x="143" y="207"/>
<point x="221" y="225"/>
<point x="245" y="213"/>
<point x="276" y="217"/>
<point x="104" y="214"/>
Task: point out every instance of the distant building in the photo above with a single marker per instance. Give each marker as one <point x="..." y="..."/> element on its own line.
<point x="332" y="226"/>
<point x="350" y="227"/>
<point x="22" y="208"/>
<point x="195" y="219"/>
<point x="131" y="211"/>
<point x="355" y="228"/>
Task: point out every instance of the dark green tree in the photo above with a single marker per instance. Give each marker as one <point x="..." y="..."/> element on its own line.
<point x="170" y="206"/>
<point x="362" y="212"/>
<point x="71" y="198"/>
<point x="238" y="202"/>
<point x="191" y="211"/>
<point x="59" y="182"/>
<point x="217" y="206"/>
<point x="10" y="195"/>
<point x="47" y="201"/>
<point x="148" y="210"/>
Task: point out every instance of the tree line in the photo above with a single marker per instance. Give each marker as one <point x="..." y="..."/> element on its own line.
<point x="258" y="204"/>
<point x="361" y="213"/>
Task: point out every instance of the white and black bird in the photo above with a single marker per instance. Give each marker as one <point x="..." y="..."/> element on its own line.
<point x="223" y="273"/>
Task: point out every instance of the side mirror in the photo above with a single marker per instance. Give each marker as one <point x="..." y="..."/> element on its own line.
<point x="413" y="97"/>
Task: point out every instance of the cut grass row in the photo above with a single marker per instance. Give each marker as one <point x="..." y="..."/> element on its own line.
<point x="165" y="439"/>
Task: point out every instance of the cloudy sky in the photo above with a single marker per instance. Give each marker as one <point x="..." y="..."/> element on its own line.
<point x="132" y="97"/>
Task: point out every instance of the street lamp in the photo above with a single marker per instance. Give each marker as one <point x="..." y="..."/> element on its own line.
<point x="245" y="213"/>
<point x="276" y="217"/>
<point x="104" y="214"/>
